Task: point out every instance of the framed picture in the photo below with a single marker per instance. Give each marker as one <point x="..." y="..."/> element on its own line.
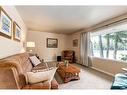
<point x="16" y="31"/>
<point x="75" y="43"/>
<point x="52" y="43"/>
<point x="5" y="24"/>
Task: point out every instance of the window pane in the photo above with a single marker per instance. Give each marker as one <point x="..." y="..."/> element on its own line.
<point x="95" y="44"/>
<point x="112" y="45"/>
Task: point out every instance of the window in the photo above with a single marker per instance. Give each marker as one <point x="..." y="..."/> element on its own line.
<point x="110" y="43"/>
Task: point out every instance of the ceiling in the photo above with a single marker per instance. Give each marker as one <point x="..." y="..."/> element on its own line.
<point x="66" y="19"/>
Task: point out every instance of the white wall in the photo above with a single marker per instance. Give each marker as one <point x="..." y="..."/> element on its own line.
<point x="8" y="46"/>
<point x="48" y="54"/>
<point x="76" y="49"/>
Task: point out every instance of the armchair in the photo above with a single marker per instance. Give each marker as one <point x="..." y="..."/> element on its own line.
<point x="68" y="55"/>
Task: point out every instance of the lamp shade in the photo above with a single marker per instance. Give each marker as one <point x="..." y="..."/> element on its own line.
<point x="30" y="44"/>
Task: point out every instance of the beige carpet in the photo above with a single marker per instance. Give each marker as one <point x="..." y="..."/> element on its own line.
<point x="89" y="79"/>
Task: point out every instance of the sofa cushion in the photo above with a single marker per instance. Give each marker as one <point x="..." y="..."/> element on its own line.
<point x="34" y="60"/>
<point x="51" y="64"/>
<point x="39" y="67"/>
<point x="35" y="77"/>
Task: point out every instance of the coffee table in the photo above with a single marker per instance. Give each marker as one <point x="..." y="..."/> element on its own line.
<point x="68" y="73"/>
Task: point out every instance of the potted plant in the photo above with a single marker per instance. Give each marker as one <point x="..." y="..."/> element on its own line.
<point x="66" y="62"/>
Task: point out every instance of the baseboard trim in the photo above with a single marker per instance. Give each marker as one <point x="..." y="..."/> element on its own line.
<point x="110" y="74"/>
<point x="102" y="71"/>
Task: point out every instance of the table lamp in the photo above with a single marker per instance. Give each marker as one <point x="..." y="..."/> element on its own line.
<point x="30" y="45"/>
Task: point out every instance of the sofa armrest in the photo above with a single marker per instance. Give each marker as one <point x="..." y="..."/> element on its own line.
<point x="8" y="78"/>
<point x="41" y="85"/>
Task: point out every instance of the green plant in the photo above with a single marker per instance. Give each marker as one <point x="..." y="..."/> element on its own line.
<point x="66" y="62"/>
<point x="124" y="57"/>
<point x="118" y="38"/>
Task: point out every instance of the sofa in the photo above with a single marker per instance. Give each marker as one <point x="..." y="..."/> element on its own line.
<point x="13" y="71"/>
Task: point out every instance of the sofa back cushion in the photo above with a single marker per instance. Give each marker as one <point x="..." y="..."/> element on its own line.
<point x="34" y="60"/>
<point x="22" y="59"/>
<point x="36" y="77"/>
<point x="25" y="62"/>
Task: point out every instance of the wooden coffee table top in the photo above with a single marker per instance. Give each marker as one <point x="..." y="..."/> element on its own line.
<point x="70" y="68"/>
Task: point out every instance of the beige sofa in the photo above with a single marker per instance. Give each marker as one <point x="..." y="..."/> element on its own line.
<point x="13" y="73"/>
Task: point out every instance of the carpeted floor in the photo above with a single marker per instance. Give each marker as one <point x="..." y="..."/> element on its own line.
<point x="89" y="79"/>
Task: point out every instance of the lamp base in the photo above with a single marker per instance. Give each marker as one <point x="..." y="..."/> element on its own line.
<point x="30" y="51"/>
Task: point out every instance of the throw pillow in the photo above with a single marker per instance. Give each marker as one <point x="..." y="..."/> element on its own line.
<point x="34" y="60"/>
<point x="35" y="77"/>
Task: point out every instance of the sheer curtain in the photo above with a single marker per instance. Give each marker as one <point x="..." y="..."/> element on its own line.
<point x="85" y="49"/>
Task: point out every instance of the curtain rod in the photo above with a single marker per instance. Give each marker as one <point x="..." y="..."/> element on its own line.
<point x="115" y="22"/>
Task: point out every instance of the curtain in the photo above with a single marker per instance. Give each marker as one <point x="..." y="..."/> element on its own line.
<point x="85" y="49"/>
